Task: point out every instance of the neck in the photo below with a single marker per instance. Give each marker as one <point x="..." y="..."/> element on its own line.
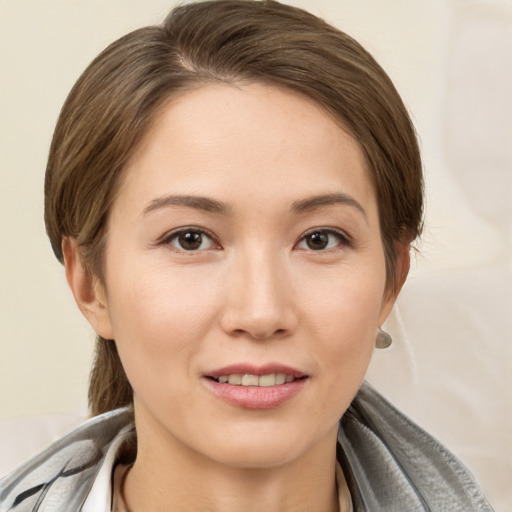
<point x="170" y="474"/>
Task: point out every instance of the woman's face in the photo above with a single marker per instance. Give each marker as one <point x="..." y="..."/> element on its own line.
<point x="244" y="241"/>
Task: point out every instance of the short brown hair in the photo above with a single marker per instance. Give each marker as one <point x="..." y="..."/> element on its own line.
<point x="112" y="104"/>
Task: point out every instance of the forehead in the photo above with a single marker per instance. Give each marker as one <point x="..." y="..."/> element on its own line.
<point x="249" y="139"/>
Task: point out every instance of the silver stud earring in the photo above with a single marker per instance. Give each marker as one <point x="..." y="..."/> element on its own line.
<point x="383" y="339"/>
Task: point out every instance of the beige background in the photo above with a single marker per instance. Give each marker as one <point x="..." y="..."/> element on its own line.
<point x="450" y="367"/>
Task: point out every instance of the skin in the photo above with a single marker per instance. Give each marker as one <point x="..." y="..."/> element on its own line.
<point x="254" y="292"/>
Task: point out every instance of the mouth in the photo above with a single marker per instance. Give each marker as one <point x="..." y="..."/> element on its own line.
<point x="250" y="387"/>
<point x="262" y="381"/>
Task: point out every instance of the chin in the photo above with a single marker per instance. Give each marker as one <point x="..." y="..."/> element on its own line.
<point x="260" y="447"/>
<point x="250" y="456"/>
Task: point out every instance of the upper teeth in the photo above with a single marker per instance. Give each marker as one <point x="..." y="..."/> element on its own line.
<point x="272" y="379"/>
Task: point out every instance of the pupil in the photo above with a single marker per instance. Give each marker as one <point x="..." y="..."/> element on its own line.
<point x="191" y="240"/>
<point x="317" y="241"/>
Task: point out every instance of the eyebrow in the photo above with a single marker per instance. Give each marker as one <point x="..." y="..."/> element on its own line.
<point x="312" y="203"/>
<point x="213" y="206"/>
<point x="198" y="202"/>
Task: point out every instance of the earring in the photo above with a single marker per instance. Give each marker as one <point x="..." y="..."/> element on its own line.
<point x="383" y="339"/>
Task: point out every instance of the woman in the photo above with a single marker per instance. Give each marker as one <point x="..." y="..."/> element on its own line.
<point x="234" y="195"/>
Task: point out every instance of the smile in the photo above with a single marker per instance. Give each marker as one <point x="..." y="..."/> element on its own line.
<point x="272" y="379"/>
<point x="256" y="387"/>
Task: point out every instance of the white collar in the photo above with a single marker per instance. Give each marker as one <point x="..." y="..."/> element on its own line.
<point x="100" y="495"/>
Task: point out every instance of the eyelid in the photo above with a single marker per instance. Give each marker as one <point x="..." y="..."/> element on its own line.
<point x="343" y="237"/>
<point x="170" y="235"/>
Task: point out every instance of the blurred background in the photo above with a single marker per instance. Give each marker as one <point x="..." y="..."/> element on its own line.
<point x="450" y="366"/>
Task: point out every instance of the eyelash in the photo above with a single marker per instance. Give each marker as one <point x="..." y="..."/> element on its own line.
<point x="167" y="240"/>
<point x="343" y="239"/>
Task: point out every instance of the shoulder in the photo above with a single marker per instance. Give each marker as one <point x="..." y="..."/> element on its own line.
<point x="391" y="461"/>
<point x="62" y="475"/>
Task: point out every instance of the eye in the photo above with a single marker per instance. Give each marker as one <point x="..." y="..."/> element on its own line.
<point x="322" y="239"/>
<point x="189" y="240"/>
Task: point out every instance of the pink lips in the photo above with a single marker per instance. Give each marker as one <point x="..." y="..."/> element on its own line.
<point x="267" y="369"/>
<point x="255" y="397"/>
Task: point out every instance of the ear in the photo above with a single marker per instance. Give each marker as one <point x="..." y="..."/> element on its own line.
<point x="402" y="266"/>
<point x="88" y="292"/>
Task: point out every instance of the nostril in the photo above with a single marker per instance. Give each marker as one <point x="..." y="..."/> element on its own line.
<point x="278" y="333"/>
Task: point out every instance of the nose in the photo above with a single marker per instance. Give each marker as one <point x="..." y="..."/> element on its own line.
<point x="259" y="298"/>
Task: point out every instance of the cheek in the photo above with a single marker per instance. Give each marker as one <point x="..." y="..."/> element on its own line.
<point x="347" y="336"/>
<point x="348" y="303"/>
<point x="159" y="318"/>
<point x="343" y="318"/>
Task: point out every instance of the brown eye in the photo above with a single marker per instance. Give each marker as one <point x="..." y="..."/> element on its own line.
<point x="317" y="241"/>
<point x="322" y="239"/>
<point x="190" y="240"/>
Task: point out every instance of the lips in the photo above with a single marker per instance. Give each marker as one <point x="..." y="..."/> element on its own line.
<point x="252" y="387"/>
<point x="248" y="369"/>
<point x="247" y="379"/>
